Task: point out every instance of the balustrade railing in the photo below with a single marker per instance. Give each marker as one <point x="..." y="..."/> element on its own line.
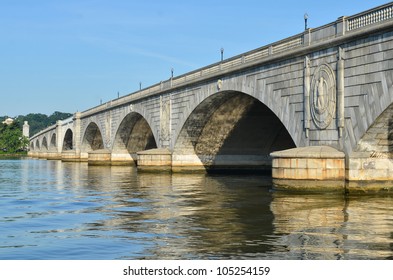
<point x="370" y="17"/>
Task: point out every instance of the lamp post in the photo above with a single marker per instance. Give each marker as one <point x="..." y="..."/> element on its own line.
<point x="140" y="85"/>
<point x="305" y="21"/>
<point x="171" y="73"/>
<point x="222" y="54"/>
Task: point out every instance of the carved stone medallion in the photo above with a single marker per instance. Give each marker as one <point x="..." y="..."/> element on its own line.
<point x="323" y="96"/>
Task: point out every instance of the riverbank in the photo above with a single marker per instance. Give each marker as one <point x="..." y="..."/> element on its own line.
<point x="12" y="155"/>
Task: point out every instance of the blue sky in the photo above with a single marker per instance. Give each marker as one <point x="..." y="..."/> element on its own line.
<point x="68" y="55"/>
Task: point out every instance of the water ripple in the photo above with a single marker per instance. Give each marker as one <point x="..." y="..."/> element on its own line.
<point x="56" y="210"/>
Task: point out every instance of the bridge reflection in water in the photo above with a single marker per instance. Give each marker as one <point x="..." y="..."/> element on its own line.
<point x="114" y="212"/>
<point x="332" y="227"/>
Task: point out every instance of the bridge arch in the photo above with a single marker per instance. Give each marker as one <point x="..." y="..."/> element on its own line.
<point x="92" y="139"/>
<point x="68" y="140"/>
<point x="372" y="113"/>
<point x="231" y="129"/>
<point x="378" y="139"/>
<point x="134" y="134"/>
<point x="44" y="144"/>
<point x="37" y="144"/>
<point x="52" y="143"/>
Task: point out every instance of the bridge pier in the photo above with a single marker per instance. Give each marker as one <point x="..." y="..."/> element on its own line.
<point x="123" y="158"/>
<point x="184" y="163"/>
<point x="99" y="157"/>
<point x="369" y="166"/>
<point x="315" y="168"/>
<point x="52" y="155"/>
<point x="32" y="154"/>
<point x="70" y="156"/>
<point x="84" y="156"/>
<point x="369" y="171"/>
<point x="42" y="155"/>
<point x="155" y="160"/>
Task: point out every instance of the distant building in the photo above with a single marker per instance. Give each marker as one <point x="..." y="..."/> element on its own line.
<point x="26" y="129"/>
<point x="8" y="121"/>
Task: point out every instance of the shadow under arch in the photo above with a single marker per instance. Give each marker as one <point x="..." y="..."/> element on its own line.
<point x="37" y="144"/>
<point x="92" y="139"/>
<point x="133" y="135"/>
<point x="67" y="142"/>
<point x="44" y="143"/>
<point x="52" y="143"/>
<point x="378" y="139"/>
<point x="230" y="130"/>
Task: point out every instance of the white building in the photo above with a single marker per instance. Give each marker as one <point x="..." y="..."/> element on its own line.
<point x="8" y="121"/>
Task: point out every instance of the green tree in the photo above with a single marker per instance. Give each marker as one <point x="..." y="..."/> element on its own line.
<point x="38" y="122"/>
<point x="12" y="139"/>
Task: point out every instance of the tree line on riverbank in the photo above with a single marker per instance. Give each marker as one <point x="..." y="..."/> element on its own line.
<point x="37" y="121"/>
<point x="11" y="135"/>
<point x="11" y="139"/>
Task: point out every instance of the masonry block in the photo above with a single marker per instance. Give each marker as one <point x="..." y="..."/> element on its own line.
<point x="309" y="163"/>
<point x="99" y="157"/>
<point x="154" y="160"/>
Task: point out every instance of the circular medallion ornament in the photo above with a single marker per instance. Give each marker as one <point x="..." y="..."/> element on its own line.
<point x="323" y="96"/>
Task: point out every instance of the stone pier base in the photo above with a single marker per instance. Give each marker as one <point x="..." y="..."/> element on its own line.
<point x="221" y="163"/>
<point x="53" y="156"/>
<point x="70" y="155"/>
<point x="369" y="171"/>
<point x="42" y="155"/>
<point x="84" y="156"/>
<point x="32" y="154"/>
<point x="314" y="168"/>
<point x="123" y="158"/>
<point x="99" y="157"/>
<point x="154" y="160"/>
<point x="187" y="163"/>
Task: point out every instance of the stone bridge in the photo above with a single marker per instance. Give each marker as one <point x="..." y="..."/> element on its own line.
<point x="329" y="88"/>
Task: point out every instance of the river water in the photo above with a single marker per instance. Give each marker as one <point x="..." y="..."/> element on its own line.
<point x="57" y="210"/>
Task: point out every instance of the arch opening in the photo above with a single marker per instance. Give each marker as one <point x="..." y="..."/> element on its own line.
<point x="44" y="144"/>
<point x="67" y="143"/>
<point x="230" y="130"/>
<point x="37" y="144"/>
<point x="372" y="158"/>
<point x="92" y="139"/>
<point x="134" y="135"/>
<point x="53" y="141"/>
<point x="378" y="139"/>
